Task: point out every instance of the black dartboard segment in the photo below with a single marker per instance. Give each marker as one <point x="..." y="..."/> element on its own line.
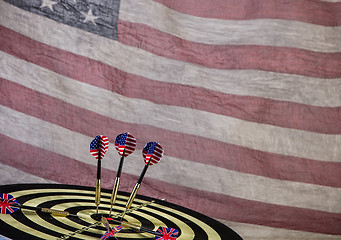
<point x="146" y="212"/>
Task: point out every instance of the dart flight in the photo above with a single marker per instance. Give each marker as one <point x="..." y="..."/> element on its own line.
<point x="152" y="154"/>
<point x="163" y="233"/>
<point x="98" y="148"/>
<point x="125" y="144"/>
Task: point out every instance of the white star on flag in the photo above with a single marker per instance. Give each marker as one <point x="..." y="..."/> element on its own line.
<point x="89" y="17"/>
<point x="48" y="3"/>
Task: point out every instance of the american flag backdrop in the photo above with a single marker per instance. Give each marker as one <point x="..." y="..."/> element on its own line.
<point x="243" y="95"/>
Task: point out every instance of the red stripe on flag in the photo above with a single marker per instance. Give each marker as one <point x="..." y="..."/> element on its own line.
<point x="310" y="11"/>
<point x="266" y="58"/>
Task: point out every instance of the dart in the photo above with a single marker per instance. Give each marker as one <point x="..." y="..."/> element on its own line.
<point x="98" y="148"/>
<point x="161" y="233"/>
<point x="8" y="205"/>
<point x="152" y="154"/>
<point x="125" y="144"/>
<point x="110" y="232"/>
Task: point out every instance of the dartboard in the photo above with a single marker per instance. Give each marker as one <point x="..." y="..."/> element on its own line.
<point x="146" y="212"/>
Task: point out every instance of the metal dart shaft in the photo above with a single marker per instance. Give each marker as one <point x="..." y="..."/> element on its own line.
<point x="131" y="199"/>
<point x="117" y="182"/>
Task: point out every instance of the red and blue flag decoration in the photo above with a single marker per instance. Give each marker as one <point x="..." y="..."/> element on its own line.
<point x="99" y="146"/>
<point x="112" y="232"/>
<point x="6" y="202"/>
<point x="167" y="233"/>
<point x="152" y="151"/>
<point x="125" y="141"/>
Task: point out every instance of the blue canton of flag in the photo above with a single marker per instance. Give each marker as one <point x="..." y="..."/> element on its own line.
<point x="121" y="139"/>
<point x="149" y="148"/>
<point x="6" y="200"/>
<point x="94" y="145"/>
<point x="95" y="16"/>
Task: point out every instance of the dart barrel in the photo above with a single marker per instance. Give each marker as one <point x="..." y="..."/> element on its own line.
<point x="114" y="191"/>
<point x="132" y="195"/>
<point x="44" y="210"/>
<point x="98" y="192"/>
<point x="55" y="212"/>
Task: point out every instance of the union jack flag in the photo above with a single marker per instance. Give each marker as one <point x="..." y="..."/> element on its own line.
<point x="125" y="141"/>
<point x="6" y="202"/>
<point x="111" y="233"/>
<point x="167" y="233"/>
<point x="99" y="146"/>
<point x="153" y="151"/>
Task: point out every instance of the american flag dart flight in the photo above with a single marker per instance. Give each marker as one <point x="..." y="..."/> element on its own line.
<point x="98" y="148"/>
<point x="125" y="144"/>
<point x="152" y="153"/>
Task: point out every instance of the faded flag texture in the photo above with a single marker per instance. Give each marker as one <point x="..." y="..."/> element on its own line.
<point x="244" y="96"/>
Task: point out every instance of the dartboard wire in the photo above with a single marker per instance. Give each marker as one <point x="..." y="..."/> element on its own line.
<point x="86" y="228"/>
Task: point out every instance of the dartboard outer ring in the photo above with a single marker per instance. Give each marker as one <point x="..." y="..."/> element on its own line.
<point x="149" y="213"/>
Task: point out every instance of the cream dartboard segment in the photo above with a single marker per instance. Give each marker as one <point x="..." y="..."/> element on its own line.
<point x="149" y="213"/>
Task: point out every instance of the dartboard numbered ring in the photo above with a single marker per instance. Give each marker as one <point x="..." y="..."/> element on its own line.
<point x="146" y="212"/>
